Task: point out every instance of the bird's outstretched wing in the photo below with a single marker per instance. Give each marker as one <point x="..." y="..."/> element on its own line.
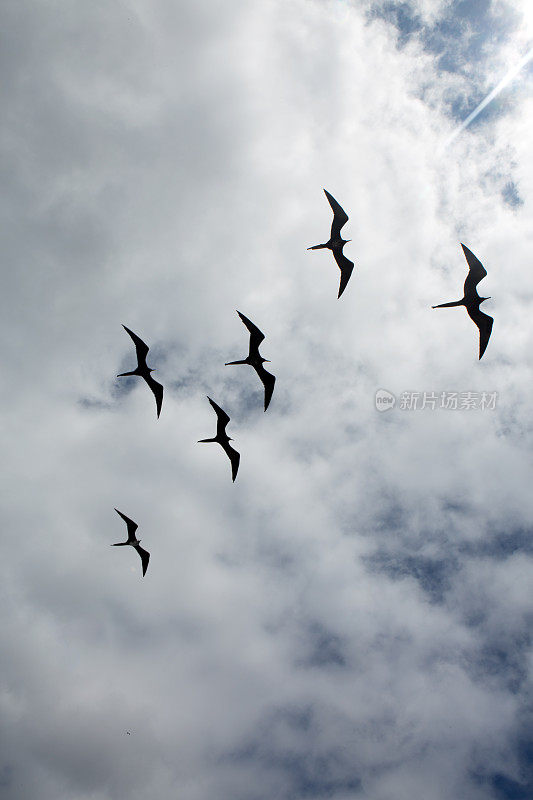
<point x="476" y="272"/>
<point x="484" y="323"/>
<point x="340" y="217"/>
<point x="268" y="380"/>
<point x="222" y="417"/>
<point x="256" y="336"/>
<point x="132" y="526"/>
<point x="145" y="557"/>
<point x="346" y="266"/>
<point x="157" y="389"/>
<point x="140" y="346"/>
<point x="233" y="456"/>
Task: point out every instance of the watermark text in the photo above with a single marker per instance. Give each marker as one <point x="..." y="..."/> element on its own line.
<point x="450" y="401"/>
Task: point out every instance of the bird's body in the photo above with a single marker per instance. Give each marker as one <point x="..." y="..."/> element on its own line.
<point x="142" y="370"/>
<point x="255" y="359"/>
<point x="223" y="439"/>
<point x="472" y="301"/>
<point x="133" y="541"/>
<point x="336" y="242"/>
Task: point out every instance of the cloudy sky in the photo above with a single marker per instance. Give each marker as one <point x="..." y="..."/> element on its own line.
<point x="352" y="618"/>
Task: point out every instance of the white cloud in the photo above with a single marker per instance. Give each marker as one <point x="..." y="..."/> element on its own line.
<point x="165" y="167"/>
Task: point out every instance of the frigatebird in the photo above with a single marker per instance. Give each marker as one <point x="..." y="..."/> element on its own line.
<point x="223" y="439"/>
<point x="133" y="541"/>
<point x="336" y="242"/>
<point x="471" y="299"/>
<point x="143" y="371"/>
<point x="255" y="359"/>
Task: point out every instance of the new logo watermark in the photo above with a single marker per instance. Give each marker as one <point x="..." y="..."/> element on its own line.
<point x="451" y="401"/>
<point x="385" y="400"/>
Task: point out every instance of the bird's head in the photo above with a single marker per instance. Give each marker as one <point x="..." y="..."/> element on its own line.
<point x="265" y="360"/>
<point x="484" y="298"/>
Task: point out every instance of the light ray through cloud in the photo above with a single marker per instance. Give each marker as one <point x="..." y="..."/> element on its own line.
<point x="491" y="95"/>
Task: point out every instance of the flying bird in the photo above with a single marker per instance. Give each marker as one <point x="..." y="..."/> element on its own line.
<point x="143" y="371"/>
<point x="336" y="242"/>
<point x="255" y="359"/>
<point x="223" y="439"/>
<point x="133" y="541"/>
<point x="471" y="299"/>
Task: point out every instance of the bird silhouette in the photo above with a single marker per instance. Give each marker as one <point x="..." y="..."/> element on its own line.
<point x="255" y="359"/>
<point x="133" y="541"/>
<point x="143" y="371"/>
<point x="471" y="299"/>
<point x="223" y="439"/>
<point x="336" y="242"/>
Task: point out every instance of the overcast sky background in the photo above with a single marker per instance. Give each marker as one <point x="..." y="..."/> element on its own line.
<point x="352" y="618"/>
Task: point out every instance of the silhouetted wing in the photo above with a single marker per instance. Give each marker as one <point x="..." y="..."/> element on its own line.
<point x="132" y="526"/>
<point x="476" y="272"/>
<point x="233" y="456"/>
<point x="484" y="323"/>
<point x="157" y="389"/>
<point x="141" y="348"/>
<point x="222" y="417"/>
<point x="145" y="557"/>
<point x="340" y="217"/>
<point x="268" y="380"/>
<point x="346" y="266"/>
<point x="256" y="336"/>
